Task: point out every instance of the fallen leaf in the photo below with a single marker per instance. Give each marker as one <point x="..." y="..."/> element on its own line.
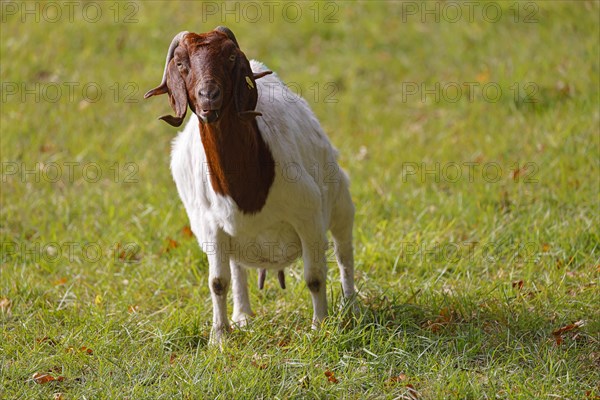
<point x="171" y="244"/>
<point x="58" y="396"/>
<point x="558" y="333"/>
<point x="41" y="378"/>
<point x="86" y="350"/>
<point x="331" y="377"/>
<point x="545" y="247"/>
<point x="172" y="358"/>
<point x="186" y="231"/>
<point x="568" y="328"/>
<point x="516" y="172"/>
<point x="128" y="253"/>
<point x="591" y="396"/>
<point x="60" y="281"/>
<point x="98" y="299"/>
<point x="518" y="284"/>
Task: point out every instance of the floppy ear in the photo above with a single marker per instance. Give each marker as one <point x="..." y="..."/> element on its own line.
<point x="177" y="95"/>
<point x="173" y="84"/>
<point x="245" y="93"/>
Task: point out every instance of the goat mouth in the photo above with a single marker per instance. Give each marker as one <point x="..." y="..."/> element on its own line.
<point x="208" y="116"/>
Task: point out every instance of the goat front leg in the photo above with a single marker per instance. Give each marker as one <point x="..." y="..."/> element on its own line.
<point x="219" y="277"/>
<point x="315" y="274"/>
<point x="241" y="301"/>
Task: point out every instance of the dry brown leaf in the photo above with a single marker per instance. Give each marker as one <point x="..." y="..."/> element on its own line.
<point x="128" y="253"/>
<point x="568" y="328"/>
<point x="186" y="231"/>
<point x="558" y="333"/>
<point x="41" y="378"/>
<point x="331" y="377"/>
<point x="60" y="281"/>
<point x="518" y="284"/>
<point x="171" y="244"/>
<point x="591" y="396"/>
<point x="545" y="247"/>
<point x="516" y="172"/>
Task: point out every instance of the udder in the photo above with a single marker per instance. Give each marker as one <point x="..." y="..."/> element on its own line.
<point x="273" y="248"/>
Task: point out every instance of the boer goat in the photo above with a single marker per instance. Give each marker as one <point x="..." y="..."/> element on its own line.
<point x="256" y="173"/>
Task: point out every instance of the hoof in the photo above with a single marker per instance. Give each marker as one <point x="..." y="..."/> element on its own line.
<point x="241" y="319"/>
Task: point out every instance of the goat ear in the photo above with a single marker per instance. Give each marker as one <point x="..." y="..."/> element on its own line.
<point x="244" y="92"/>
<point x="177" y="95"/>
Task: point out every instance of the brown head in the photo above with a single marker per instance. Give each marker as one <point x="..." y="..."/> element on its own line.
<point x="211" y="74"/>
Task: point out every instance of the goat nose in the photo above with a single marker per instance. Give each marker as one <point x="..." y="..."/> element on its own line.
<point x="210" y="92"/>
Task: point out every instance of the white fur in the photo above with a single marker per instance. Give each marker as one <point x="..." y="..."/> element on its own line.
<point x="309" y="196"/>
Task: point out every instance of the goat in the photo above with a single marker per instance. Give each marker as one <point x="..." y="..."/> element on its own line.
<point x="257" y="175"/>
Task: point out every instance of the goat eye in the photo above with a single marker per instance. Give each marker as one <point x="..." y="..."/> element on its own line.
<point x="232" y="58"/>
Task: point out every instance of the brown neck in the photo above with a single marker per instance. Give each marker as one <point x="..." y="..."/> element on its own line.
<point x="240" y="163"/>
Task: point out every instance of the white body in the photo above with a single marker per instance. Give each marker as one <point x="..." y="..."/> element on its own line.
<point x="308" y="197"/>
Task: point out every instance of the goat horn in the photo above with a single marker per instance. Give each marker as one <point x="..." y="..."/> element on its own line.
<point x="173" y="121"/>
<point x="258" y="75"/>
<point x="162" y="88"/>
<point x="230" y="35"/>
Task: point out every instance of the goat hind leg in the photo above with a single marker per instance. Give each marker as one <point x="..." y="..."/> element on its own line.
<point x="341" y="231"/>
<point x="241" y="301"/>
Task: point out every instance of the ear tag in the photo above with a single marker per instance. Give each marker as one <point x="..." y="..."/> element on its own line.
<point x="249" y="82"/>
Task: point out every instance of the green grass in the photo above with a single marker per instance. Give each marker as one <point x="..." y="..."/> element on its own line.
<point x="462" y="279"/>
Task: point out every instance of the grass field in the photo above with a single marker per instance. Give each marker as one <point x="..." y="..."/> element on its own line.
<point x="471" y="135"/>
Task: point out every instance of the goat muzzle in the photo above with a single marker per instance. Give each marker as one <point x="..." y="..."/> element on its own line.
<point x="208" y="116"/>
